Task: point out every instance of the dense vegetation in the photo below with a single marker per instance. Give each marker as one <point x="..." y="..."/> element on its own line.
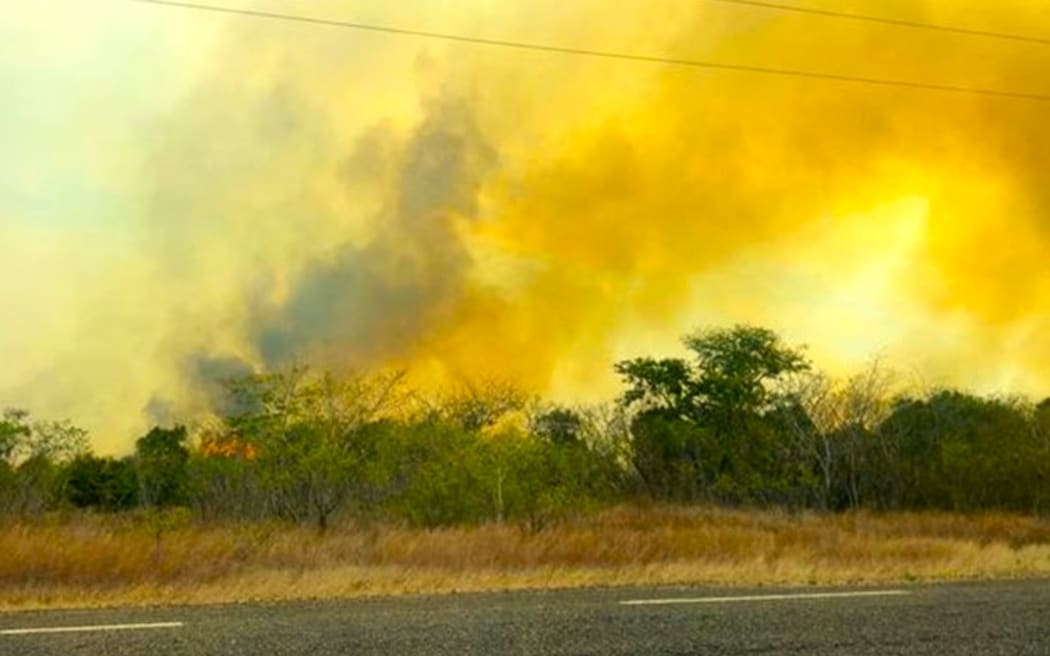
<point x="744" y="421"/>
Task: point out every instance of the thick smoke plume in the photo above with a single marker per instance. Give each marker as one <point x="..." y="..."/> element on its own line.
<point x="365" y="305"/>
<point x="357" y="200"/>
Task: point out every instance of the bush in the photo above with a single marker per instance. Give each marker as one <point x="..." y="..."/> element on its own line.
<point x="103" y="483"/>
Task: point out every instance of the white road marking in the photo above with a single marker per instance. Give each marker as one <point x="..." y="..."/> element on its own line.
<point x="97" y="627"/>
<point x="769" y="597"/>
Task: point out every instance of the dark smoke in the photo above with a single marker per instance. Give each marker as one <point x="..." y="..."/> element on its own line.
<point x="367" y="303"/>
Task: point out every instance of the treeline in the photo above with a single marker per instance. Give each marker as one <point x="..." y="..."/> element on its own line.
<point x="302" y="446"/>
<point x="744" y="420"/>
<point x="747" y="421"/>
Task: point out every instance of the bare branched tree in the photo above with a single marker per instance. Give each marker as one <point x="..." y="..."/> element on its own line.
<point x="478" y="404"/>
<point x="836" y="427"/>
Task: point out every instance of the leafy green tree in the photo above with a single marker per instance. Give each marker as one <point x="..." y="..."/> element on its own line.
<point x="59" y="441"/>
<point x="958" y="451"/>
<point x="444" y="475"/>
<point x="667" y="386"/>
<point x="104" y="483"/>
<point x="738" y="367"/>
<point x="160" y="464"/>
<point x="306" y="431"/>
<point x="14" y="431"/>
<point x="708" y="424"/>
<point x="34" y="456"/>
<point x="38" y="485"/>
<point x="223" y="477"/>
<point x="1041" y="418"/>
<point x="674" y="458"/>
<point x="559" y="425"/>
<point x="734" y="373"/>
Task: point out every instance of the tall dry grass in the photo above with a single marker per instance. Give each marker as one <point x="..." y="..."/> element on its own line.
<point x="100" y="560"/>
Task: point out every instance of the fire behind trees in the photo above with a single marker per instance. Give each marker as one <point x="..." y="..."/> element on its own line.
<point x="743" y="421"/>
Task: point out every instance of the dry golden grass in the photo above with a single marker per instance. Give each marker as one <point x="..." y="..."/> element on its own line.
<point x="98" y="560"/>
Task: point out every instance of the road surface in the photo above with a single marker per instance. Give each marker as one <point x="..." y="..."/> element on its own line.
<point x="985" y="618"/>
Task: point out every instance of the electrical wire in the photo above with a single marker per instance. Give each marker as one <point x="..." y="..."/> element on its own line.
<point x="897" y="22"/>
<point x="604" y="54"/>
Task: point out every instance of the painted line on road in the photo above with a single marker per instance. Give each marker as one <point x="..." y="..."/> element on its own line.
<point x="96" y="627"/>
<point x="769" y="597"/>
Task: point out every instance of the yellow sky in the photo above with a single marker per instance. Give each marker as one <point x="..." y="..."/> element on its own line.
<point x="208" y="193"/>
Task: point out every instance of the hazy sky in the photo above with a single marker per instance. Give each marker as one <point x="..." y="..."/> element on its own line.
<point x="186" y="195"/>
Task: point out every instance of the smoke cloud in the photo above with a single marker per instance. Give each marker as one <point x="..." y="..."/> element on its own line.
<point x="367" y="304"/>
<point x="359" y="200"/>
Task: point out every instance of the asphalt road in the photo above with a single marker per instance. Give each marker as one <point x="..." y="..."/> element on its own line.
<point x="985" y="619"/>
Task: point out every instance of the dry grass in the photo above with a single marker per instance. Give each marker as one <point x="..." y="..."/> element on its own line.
<point x="94" y="560"/>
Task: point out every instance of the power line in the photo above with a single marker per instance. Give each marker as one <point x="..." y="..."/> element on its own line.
<point x="919" y="25"/>
<point x="604" y="54"/>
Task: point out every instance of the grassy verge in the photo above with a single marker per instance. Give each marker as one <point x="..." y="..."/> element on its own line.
<point x="100" y="560"/>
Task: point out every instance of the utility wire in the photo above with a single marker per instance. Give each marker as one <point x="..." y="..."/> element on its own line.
<point x="604" y="54"/>
<point x="919" y="25"/>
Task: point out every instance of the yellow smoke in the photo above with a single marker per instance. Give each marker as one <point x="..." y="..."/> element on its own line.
<point x="356" y="199"/>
